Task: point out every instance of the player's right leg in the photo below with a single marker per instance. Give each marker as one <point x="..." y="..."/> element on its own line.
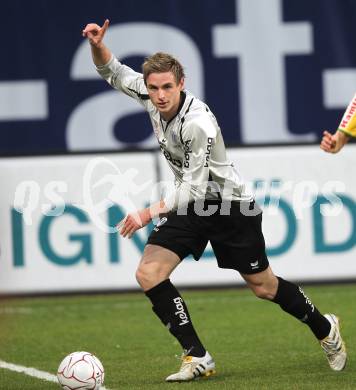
<point x="248" y="256"/>
<point x="153" y="274"/>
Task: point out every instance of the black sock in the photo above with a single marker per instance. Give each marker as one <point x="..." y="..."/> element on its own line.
<point x="292" y="299"/>
<point x="171" y="309"/>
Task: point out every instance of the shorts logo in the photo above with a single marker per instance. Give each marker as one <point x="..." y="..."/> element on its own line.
<point x="254" y="265"/>
<point x="160" y="223"/>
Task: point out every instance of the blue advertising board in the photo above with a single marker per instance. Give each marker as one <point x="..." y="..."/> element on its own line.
<point x="272" y="71"/>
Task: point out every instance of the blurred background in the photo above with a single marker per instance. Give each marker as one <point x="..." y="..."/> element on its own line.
<point x="275" y="73"/>
<point x="272" y="71"/>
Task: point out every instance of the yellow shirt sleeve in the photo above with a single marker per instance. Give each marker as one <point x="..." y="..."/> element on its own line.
<point x="348" y="121"/>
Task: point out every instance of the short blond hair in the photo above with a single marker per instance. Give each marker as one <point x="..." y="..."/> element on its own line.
<point x="160" y="63"/>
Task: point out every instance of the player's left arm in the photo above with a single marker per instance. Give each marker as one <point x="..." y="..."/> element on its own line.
<point x="137" y="220"/>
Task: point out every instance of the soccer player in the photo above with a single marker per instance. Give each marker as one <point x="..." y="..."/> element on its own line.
<point x="333" y="143"/>
<point x="210" y="204"/>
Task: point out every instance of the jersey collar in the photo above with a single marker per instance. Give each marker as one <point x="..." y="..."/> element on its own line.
<point x="183" y="96"/>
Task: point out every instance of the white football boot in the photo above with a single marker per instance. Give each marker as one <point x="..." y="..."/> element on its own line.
<point x="333" y="345"/>
<point x="193" y="367"/>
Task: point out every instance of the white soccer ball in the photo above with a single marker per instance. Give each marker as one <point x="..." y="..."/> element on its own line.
<point x="81" y="370"/>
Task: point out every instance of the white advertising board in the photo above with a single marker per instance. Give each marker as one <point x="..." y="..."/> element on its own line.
<point x="59" y="214"/>
<point x="56" y="214"/>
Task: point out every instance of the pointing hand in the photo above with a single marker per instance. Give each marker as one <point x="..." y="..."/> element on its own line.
<point x="95" y="33"/>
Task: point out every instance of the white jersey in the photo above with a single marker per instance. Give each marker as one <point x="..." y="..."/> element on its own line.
<point x="191" y="142"/>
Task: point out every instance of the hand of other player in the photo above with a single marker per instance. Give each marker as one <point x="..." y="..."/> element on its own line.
<point x="333" y="143"/>
<point x="134" y="221"/>
<point x="95" y="33"/>
<point x="329" y="143"/>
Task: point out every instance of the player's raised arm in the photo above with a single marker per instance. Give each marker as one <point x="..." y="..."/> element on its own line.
<point x="95" y="34"/>
<point x="118" y="75"/>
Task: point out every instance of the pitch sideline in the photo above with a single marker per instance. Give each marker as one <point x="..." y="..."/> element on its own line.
<point x="33" y="372"/>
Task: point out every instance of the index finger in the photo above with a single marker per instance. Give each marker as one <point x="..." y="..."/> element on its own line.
<point x="105" y="25"/>
<point x="326" y="134"/>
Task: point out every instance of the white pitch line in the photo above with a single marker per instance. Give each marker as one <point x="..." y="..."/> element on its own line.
<point x="15" y="310"/>
<point x="33" y="372"/>
<point x="29" y="371"/>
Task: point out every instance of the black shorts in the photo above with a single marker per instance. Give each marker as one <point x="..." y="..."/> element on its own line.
<point x="234" y="232"/>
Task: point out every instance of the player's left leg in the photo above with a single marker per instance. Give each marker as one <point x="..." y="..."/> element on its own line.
<point x="292" y="299"/>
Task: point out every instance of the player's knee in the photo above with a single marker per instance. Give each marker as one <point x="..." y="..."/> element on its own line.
<point x="263" y="292"/>
<point x="143" y="277"/>
<point x="148" y="276"/>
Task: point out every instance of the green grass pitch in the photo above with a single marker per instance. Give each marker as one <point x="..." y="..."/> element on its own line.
<point x="255" y="344"/>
